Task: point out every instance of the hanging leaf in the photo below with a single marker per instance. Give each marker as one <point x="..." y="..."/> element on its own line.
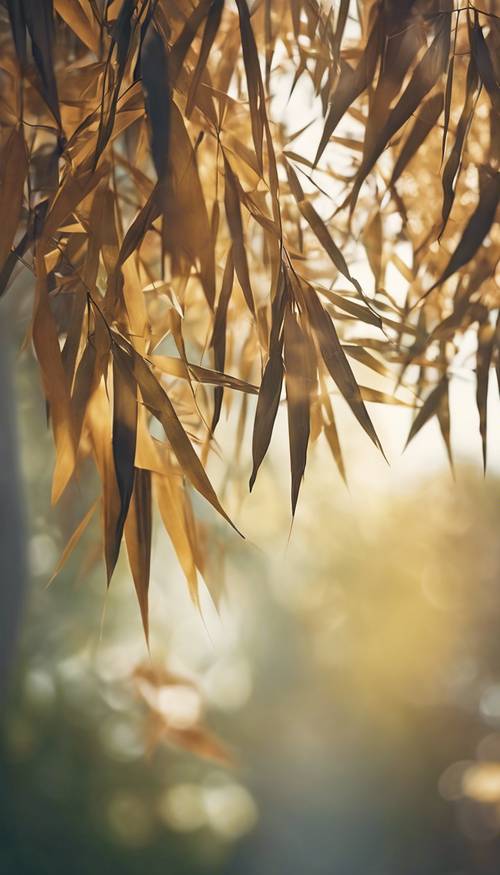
<point x="124" y="444"/>
<point x="485" y="346"/>
<point x="218" y="341"/>
<point x="155" y="82"/>
<point x="423" y="125"/>
<point x="138" y="533"/>
<point x="476" y="228"/>
<point x="337" y="364"/>
<point x="13" y="173"/>
<point x="299" y="382"/>
<point x="429" y="408"/>
<point x="233" y="215"/>
<point x="267" y="407"/>
<point x="452" y="166"/>
<point x="211" y="28"/>
<point x="484" y="63"/>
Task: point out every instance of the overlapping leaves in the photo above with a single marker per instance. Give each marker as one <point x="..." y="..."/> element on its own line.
<point x="194" y="246"/>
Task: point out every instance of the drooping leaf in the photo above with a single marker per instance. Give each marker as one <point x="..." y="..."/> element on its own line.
<point x="352" y="83"/>
<point x="423" y="125"/>
<point x="426" y="74"/>
<point x="484" y="63"/>
<point x="39" y="17"/>
<point x="158" y="402"/>
<point x="124" y="444"/>
<point x="485" y="346"/>
<point x="155" y="82"/>
<point x="138" y="534"/>
<point x="233" y="215"/>
<point x="476" y="228"/>
<point x="210" y="32"/>
<point x="452" y="166"/>
<point x="267" y="407"/>
<point x="13" y="171"/>
<point x="299" y="382"/>
<point x="337" y="364"/>
<point x="218" y="341"/>
<point x="429" y="408"/>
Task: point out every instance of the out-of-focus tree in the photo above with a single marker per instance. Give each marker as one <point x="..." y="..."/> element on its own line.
<point x="158" y="181"/>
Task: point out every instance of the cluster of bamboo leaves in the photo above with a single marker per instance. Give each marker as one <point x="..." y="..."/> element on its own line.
<point x="186" y="250"/>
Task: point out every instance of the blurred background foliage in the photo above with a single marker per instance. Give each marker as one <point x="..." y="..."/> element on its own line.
<point x="353" y="672"/>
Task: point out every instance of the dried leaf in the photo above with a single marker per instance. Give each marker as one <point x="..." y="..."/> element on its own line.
<point x="299" y="382"/>
<point x="13" y="173"/>
<point x="138" y="533"/>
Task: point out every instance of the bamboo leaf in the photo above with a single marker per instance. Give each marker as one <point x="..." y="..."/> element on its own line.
<point x="138" y="534"/>
<point x="218" y="341"/>
<point x="13" y="174"/>
<point x="267" y="407"/>
<point x="299" y="382"/>
<point x="124" y="444"/>
<point x="429" y="408"/>
<point x="211" y="28"/>
<point x="476" y="228"/>
<point x="337" y="364"/>
<point x="233" y="215"/>
<point x="155" y="82"/>
<point x="485" y="345"/>
<point x="159" y="404"/>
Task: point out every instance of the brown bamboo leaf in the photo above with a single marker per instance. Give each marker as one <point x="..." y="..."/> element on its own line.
<point x="56" y="389"/>
<point x="477" y="227"/>
<point x="373" y="243"/>
<point x="255" y="88"/>
<point x="18" y="27"/>
<point x="449" y="88"/>
<point x="87" y="376"/>
<point x="210" y="32"/>
<point x="181" y="46"/>
<point x="337" y="364"/>
<point x="429" y="408"/>
<point x="267" y="407"/>
<point x="121" y="34"/>
<point x="185" y="370"/>
<point x="74" y="13"/>
<point x="484" y="63"/>
<point x="352" y="83"/>
<point x="444" y="420"/>
<point x="299" y="381"/>
<point x="154" y="71"/>
<point x="375" y="396"/>
<point x="485" y="345"/>
<point x="189" y="235"/>
<point x="358" y="311"/>
<point x="140" y="226"/>
<point x="362" y="355"/>
<point x="402" y="42"/>
<point x="159" y="404"/>
<point x="423" y="125"/>
<point x="319" y="228"/>
<point x="73" y="541"/>
<point x="170" y="496"/>
<point x="339" y="30"/>
<point x="425" y="75"/>
<point x="39" y="16"/>
<point x="452" y="167"/>
<point x="124" y="438"/>
<point x="138" y="534"/>
<point x="219" y="334"/>
<point x="13" y="174"/>
<point x="74" y="188"/>
<point x="233" y="215"/>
